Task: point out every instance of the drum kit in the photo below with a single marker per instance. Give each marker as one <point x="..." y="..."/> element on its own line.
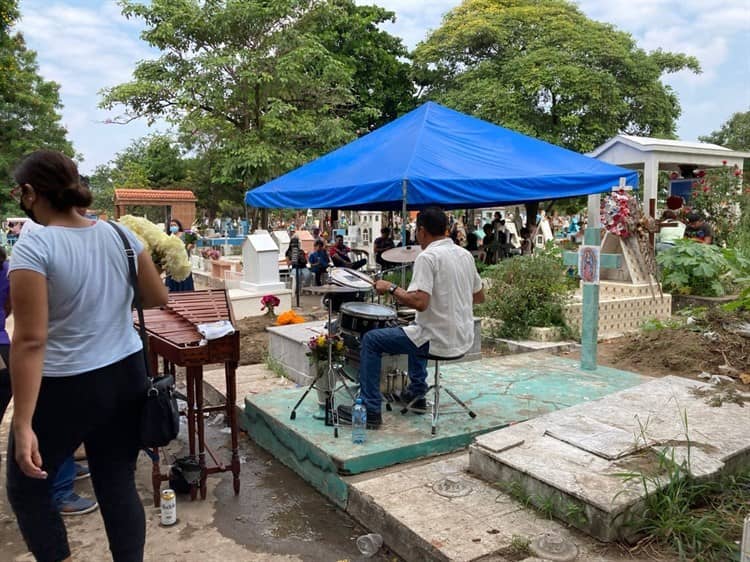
<point x="355" y="319"/>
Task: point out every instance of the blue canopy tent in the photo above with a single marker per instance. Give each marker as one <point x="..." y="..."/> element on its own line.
<point x="436" y="156"/>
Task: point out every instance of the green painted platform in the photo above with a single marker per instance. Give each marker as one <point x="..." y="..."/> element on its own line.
<point x="501" y="390"/>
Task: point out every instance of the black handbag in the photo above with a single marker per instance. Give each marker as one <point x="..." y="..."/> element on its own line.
<point x="160" y="417"/>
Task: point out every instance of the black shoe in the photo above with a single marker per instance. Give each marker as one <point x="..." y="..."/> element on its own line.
<point x="374" y="419"/>
<point x="419" y="404"/>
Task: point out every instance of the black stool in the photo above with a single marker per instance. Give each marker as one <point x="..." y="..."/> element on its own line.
<point x="436" y="387"/>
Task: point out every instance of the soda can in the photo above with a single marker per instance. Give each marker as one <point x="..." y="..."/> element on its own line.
<point x="168" y="508"/>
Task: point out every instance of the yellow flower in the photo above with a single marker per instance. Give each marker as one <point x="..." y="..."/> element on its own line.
<point x="321" y="341"/>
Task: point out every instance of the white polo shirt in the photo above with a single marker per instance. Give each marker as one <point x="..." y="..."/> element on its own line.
<point x="447" y="273"/>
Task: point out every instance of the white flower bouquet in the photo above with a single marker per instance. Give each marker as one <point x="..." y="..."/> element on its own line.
<point x="168" y="252"/>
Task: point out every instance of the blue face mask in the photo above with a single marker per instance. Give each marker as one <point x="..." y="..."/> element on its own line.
<point x="174" y="229"/>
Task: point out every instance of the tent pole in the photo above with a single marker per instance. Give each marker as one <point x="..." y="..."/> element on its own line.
<point x="404" y="184"/>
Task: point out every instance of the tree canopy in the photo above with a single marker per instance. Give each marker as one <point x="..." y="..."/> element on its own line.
<point x="734" y="133"/>
<point x="258" y="88"/>
<point x="543" y="68"/>
<point x="152" y="162"/>
<point x="29" y="105"/>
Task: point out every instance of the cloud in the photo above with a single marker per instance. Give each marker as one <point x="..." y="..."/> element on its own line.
<point x="86" y="48"/>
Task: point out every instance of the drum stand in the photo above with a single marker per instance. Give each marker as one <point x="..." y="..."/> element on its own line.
<point x="334" y="375"/>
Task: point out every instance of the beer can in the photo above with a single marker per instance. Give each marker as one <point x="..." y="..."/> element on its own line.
<point x="168" y="508"/>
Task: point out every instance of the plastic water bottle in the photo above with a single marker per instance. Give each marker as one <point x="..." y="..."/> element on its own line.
<point x="359" y="422"/>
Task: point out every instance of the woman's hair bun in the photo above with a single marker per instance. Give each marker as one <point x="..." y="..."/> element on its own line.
<point x="53" y="175"/>
<point x="76" y="195"/>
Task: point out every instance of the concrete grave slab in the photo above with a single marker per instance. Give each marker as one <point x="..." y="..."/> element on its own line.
<point x="418" y="523"/>
<point x="575" y="457"/>
<point x="501" y="390"/>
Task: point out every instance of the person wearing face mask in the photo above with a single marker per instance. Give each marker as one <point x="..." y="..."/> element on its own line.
<point x="175" y="229"/>
<point x="67" y="501"/>
<point x="76" y="366"/>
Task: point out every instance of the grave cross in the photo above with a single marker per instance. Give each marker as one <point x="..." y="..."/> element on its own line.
<point x="590" y="306"/>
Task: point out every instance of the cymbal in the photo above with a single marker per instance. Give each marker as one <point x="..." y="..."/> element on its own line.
<point x="402" y="254"/>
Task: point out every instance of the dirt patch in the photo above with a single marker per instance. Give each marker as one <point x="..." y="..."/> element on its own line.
<point x="254" y="338"/>
<point x="710" y="343"/>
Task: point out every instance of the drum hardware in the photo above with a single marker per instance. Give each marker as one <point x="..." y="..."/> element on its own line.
<point x="334" y="373"/>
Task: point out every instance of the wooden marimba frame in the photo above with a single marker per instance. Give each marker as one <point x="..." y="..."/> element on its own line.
<point x="173" y="336"/>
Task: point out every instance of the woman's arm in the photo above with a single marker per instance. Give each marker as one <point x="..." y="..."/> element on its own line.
<point x="153" y="291"/>
<point x="29" y="294"/>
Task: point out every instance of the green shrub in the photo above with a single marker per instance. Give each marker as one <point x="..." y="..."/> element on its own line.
<point x="690" y="268"/>
<point x="526" y="291"/>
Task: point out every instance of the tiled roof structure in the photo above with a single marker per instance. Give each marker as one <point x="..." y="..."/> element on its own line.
<point x="130" y="195"/>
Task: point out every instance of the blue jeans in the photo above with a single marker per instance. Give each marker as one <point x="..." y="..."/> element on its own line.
<point x="62" y="485"/>
<point x="392" y="341"/>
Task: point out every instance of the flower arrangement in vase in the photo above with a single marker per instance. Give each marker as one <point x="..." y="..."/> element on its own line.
<point x="317" y="348"/>
<point x="268" y="303"/>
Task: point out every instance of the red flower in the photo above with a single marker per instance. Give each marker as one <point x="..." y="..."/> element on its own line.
<point x="738" y="173"/>
<point x="701" y="173"/>
<point x="724" y="162"/>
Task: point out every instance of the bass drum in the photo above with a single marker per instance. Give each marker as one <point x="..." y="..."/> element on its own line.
<point x="358" y="318"/>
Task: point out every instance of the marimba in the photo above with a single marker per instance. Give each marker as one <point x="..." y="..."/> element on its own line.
<point x="173" y="336"/>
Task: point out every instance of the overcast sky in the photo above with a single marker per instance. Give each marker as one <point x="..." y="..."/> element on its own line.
<point x="86" y="45"/>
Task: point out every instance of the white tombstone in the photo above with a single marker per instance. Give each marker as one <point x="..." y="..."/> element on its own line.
<point x="260" y="259"/>
<point x="546" y="230"/>
<point x="281" y="237"/>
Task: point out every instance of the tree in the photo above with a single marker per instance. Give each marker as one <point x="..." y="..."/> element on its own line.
<point x="29" y="105"/>
<point x="152" y="162"/>
<point x="382" y="87"/>
<point x="543" y="68"/>
<point x="734" y="134"/>
<point x="244" y="74"/>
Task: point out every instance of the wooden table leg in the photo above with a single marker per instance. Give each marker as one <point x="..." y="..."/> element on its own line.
<point x="230" y="371"/>
<point x="198" y="378"/>
<point x="191" y="428"/>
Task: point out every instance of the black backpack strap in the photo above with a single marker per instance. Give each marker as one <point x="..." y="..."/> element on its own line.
<point x="130" y="253"/>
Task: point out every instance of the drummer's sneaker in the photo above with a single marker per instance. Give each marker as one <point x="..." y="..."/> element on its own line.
<point x="418" y="407"/>
<point x="374" y="419"/>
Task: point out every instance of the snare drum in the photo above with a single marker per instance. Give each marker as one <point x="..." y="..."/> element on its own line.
<point x="358" y="318"/>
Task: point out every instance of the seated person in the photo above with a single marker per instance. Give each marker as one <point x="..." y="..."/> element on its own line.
<point x="319" y="261"/>
<point x="381" y="244"/>
<point x="471" y="242"/>
<point x="698" y="229"/>
<point x="443" y="290"/>
<point x="669" y="235"/>
<point x="340" y="255"/>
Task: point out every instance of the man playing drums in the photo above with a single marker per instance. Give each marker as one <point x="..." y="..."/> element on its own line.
<point x="444" y="286"/>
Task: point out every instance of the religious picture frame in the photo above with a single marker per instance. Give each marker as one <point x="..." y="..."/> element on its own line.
<point x="588" y="264"/>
